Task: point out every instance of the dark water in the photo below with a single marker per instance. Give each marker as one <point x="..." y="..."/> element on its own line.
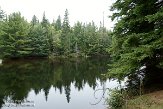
<point x="61" y="84"/>
<point x="145" y="81"/>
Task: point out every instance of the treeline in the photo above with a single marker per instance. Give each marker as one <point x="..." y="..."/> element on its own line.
<point x="19" y="38"/>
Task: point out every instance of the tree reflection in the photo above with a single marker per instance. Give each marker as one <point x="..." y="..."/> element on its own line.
<point x="18" y="78"/>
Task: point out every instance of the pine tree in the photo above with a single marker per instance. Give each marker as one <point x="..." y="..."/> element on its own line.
<point x="14" y="40"/>
<point x="103" y="41"/>
<point x="2" y="24"/>
<point x="137" y="39"/>
<point x="65" y="36"/>
<point x="44" y="21"/>
<point x="41" y="36"/>
<point x="38" y="41"/>
<point x="2" y="14"/>
<point x="34" y="20"/>
<point x="58" y="23"/>
<point x="45" y="28"/>
<point x="78" y="34"/>
<point x="91" y="38"/>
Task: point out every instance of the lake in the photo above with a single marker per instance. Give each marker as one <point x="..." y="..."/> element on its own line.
<point x="59" y="84"/>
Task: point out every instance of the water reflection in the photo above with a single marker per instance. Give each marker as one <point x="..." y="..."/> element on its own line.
<point x="18" y="78"/>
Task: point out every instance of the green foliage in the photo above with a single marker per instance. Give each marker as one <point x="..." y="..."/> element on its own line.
<point x="65" y="35"/>
<point x="34" y="20"/>
<point x="115" y="100"/>
<point x="90" y="40"/>
<point x="78" y="38"/>
<point x="45" y="21"/>
<point x="58" y="24"/>
<point x="137" y="38"/>
<point x="14" y="39"/>
<point x="38" y="41"/>
<point x="18" y="38"/>
<point x="2" y="14"/>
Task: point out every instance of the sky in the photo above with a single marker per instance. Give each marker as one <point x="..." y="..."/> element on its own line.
<point x="79" y="10"/>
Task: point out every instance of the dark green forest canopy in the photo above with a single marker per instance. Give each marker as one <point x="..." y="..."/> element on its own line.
<point x="19" y="38"/>
<point x="138" y="36"/>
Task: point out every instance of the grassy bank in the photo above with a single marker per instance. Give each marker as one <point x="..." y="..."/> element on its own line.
<point x="152" y="100"/>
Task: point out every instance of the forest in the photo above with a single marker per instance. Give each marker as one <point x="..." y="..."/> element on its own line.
<point x="134" y="48"/>
<point x="21" y="39"/>
<point x="135" y="42"/>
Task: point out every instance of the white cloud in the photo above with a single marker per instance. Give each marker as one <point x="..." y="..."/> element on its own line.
<point x="79" y="10"/>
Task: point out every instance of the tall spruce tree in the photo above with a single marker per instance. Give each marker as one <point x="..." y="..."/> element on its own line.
<point x="138" y="36"/>
<point x="65" y="36"/>
<point x="45" y="27"/>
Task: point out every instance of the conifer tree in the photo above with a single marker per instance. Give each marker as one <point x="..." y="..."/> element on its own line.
<point x="138" y="36"/>
<point x="58" y="23"/>
<point x="34" y="20"/>
<point x="39" y="36"/>
<point x="65" y="36"/>
<point x="2" y="14"/>
<point x="14" y="40"/>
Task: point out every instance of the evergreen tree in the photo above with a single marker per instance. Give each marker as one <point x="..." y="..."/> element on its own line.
<point x="90" y="38"/>
<point x="2" y="14"/>
<point x="51" y="38"/>
<point x="45" y="28"/>
<point x="44" y="21"/>
<point x="137" y="39"/>
<point x="57" y="48"/>
<point x="34" y="20"/>
<point x="104" y="41"/>
<point x="65" y="36"/>
<point x="78" y="34"/>
<point x="38" y="41"/>
<point x="58" y="23"/>
<point x="41" y="37"/>
<point x="14" y="39"/>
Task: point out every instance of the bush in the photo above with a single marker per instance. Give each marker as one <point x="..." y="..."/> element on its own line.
<point x="116" y="99"/>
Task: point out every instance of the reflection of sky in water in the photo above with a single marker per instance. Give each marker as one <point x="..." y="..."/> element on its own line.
<point x="78" y="99"/>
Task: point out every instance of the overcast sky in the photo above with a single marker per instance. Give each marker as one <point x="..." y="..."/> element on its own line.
<point x="79" y="10"/>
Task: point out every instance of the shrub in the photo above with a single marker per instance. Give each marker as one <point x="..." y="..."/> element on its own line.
<point x="116" y="99"/>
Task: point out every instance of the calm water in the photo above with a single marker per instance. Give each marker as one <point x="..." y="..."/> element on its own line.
<point x="61" y="84"/>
